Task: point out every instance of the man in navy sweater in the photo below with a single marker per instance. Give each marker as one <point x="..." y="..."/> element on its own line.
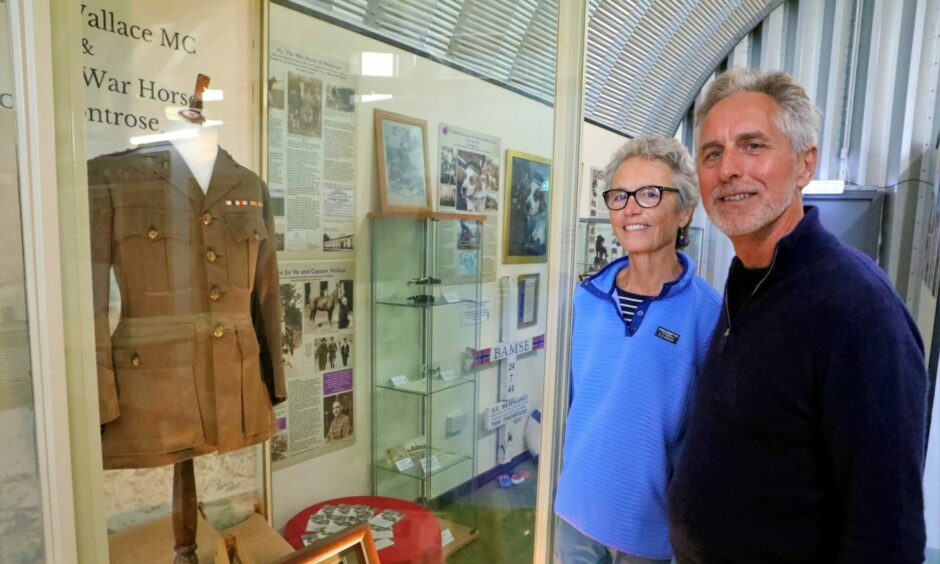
<point x="806" y="434"/>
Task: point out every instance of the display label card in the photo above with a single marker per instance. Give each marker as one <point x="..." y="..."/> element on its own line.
<point x="448" y="375"/>
<point x="451" y="297"/>
<point x="382" y="534"/>
<point x="383" y="543"/>
<point x="435" y="464"/>
<point x="404" y="464"/>
<point x="400" y="380"/>
<point x="380" y="522"/>
<point x="447" y="537"/>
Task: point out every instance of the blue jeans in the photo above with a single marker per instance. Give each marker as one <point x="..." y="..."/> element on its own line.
<point x="574" y="547"/>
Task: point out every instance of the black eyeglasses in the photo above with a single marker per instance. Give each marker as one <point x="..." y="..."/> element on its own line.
<point x="645" y="196"/>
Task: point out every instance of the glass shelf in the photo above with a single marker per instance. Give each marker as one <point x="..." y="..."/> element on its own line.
<point x="446" y="459"/>
<point x="401" y="302"/>
<point x="420" y="387"/>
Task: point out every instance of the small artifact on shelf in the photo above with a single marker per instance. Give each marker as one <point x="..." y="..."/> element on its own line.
<point x="396" y="453"/>
<point x="425" y="280"/>
<point x="421" y="299"/>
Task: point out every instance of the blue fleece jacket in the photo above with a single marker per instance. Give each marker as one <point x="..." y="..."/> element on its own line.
<point x="630" y="387"/>
<point x="805" y="440"/>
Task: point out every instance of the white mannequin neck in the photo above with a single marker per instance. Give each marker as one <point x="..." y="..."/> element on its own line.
<point x="199" y="152"/>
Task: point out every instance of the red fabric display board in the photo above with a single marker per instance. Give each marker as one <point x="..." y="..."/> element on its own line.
<point x="417" y="536"/>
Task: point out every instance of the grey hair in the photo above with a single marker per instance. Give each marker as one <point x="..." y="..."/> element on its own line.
<point x="798" y="118"/>
<point x="667" y="151"/>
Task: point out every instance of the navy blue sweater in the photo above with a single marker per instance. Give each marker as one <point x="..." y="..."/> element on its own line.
<point x="805" y="441"/>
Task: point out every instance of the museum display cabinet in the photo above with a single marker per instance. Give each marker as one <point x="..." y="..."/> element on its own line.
<point x="596" y="245"/>
<point x="426" y="281"/>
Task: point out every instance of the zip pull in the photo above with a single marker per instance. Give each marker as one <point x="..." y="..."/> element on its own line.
<point x="724" y="340"/>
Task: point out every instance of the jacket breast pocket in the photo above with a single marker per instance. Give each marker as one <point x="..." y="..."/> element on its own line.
<point x="246" y="232"/>
<point x="152" y="249"/>
<point x="159" y="409"/>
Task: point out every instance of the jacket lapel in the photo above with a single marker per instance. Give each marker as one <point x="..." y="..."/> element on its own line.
<point x="172" y="168"/>
<point x="226" y="175"/>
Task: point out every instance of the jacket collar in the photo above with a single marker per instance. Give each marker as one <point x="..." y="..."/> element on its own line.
<point x="602" y="284"/>
<point x="169" y="164"/>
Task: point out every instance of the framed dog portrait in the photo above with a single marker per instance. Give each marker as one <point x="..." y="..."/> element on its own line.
<point x="401" y="146"/>
<point x="528" y="191"/>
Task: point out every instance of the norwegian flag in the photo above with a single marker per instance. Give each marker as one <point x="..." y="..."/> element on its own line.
<point x="538" y="342"/>
<point x="480" y="357"/>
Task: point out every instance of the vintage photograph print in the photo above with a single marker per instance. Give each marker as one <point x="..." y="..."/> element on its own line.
<point x="401" y="145"/>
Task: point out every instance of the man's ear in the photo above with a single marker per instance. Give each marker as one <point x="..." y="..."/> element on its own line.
<point x="805" y="166"/>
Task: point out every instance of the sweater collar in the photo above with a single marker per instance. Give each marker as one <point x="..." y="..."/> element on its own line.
<point x="806" y="239"/>
<point x="603" y="283"/>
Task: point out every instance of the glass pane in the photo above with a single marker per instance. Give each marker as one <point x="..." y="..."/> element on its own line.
<point x="426" y="132"/>
<point x="21" y="519"/>
<point x="183" y="266"/>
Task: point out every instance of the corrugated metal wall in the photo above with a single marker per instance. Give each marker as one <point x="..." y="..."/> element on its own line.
<point x="872" y="68"/>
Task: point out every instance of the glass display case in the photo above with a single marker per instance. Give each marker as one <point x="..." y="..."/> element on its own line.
<point x="426" y="293"/>
<point x="596" y="245"/>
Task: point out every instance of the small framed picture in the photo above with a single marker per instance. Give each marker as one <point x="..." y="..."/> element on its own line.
<point x="401" y="146"/>
<point x="528" y="188"/>
<point x="694" y="250"/>
<point x="528" y="299"/>
<point x="353" y="545"/>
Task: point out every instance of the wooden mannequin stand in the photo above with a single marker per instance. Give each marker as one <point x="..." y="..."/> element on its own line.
<point x="184" y="512"/>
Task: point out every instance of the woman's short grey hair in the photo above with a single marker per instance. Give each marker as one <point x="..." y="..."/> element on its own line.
<point x="667" y="151"/>
<point x="798" y="119"/>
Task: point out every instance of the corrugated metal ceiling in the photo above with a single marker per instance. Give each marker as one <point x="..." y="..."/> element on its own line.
<point x="646" y="59"/>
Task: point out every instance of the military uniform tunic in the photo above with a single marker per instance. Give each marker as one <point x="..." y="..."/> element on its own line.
<point x="194" y="365"/>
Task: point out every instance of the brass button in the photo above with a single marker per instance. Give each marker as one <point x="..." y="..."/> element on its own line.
<point x="218" y="332"/>
<point x="135" y="360"/>
<point x="211" y="256"/>
<point x="206" y="218"/>
<point x="215" y="294"/>
<point x="153" y="234"/>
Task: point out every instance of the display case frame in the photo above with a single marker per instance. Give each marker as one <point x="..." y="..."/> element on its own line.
<point x="425" y="324"/>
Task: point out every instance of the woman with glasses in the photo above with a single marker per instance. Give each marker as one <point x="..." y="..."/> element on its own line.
<point x="641" y="328"/>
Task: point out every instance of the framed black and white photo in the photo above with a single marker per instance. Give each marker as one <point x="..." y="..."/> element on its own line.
<point x="694" y="250"/>
<point x="401" y="146"/>
<point x="528" y="303"/>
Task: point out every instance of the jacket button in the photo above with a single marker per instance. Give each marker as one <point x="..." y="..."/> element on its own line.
<point x="206" y="218"/>
<point x="135" y="360"/>
<point x="153" y="234"/>
<point x="218" y="332"/>
<point x="257" y="237"/>
<point x="215" y="294"/>
<point x="211" y="256"/>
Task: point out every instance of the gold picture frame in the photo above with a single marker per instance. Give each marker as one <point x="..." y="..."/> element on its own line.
<point x="528" y="196"/>
<point x="353" y="545"/>
<point x="401" y="148"/>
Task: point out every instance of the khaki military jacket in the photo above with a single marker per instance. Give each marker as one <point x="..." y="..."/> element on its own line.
<point x="194" y="365"/>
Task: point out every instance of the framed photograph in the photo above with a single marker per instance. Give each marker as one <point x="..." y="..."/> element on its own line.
<point x="353" y="545"/>
<point x="528" y="299"/>
<point x="401" y="146"/>
<point x="694" y="250"/>
<point x="528" y="191"/>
